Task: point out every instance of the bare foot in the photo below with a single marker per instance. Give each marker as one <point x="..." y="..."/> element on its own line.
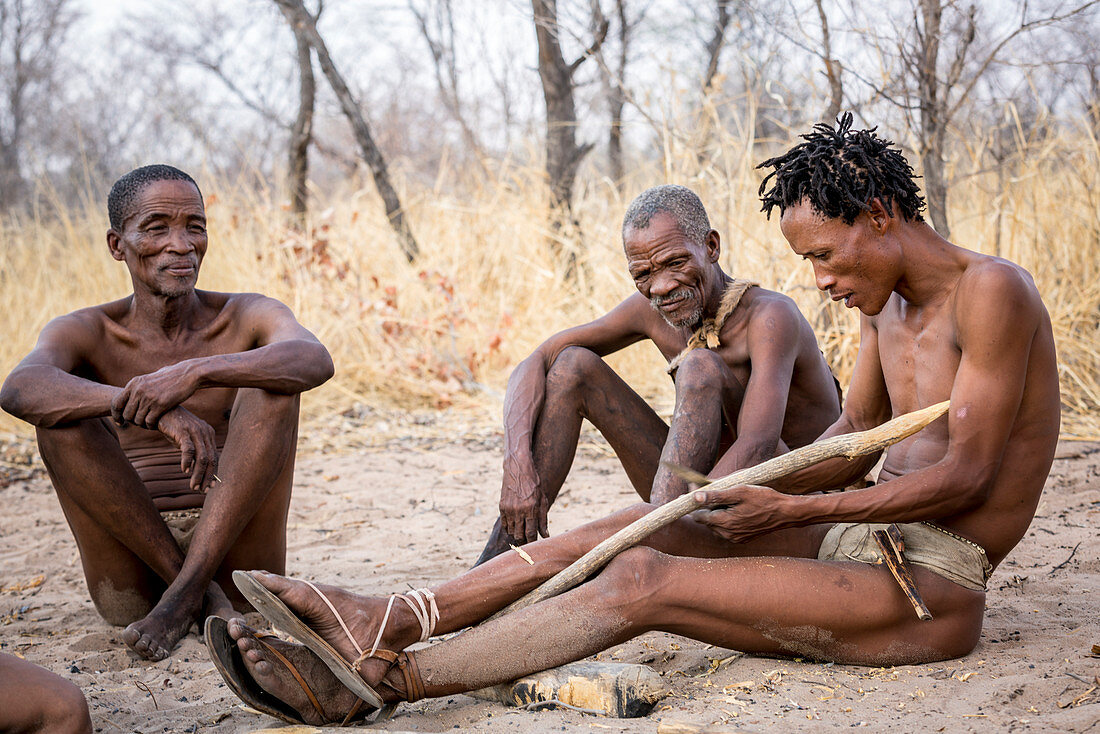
<point x="154" y="636"/>
<point x="273" y="676"/>
<point x="361" y="614"/>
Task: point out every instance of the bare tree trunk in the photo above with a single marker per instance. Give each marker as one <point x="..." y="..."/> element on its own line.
<point x="563" y="154"/>
<point x="616" y="98"/>
<point x="833" y="69"/>
<point x="371" y="154"/>
<point x="716" y="43"/>
<point x="301" y="135"/>
<point x="933" y="126"/>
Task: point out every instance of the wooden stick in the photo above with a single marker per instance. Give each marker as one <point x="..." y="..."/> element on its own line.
<point x="892" y="545"/>
<point x="848" y="446"/>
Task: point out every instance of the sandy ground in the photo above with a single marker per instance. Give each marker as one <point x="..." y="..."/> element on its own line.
<point x="415" y="512"/>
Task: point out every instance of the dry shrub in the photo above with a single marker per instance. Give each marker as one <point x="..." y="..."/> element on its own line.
<point x="448" y="330"/>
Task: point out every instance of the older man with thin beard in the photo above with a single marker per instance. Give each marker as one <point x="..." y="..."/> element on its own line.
<point x="750" y="379"/>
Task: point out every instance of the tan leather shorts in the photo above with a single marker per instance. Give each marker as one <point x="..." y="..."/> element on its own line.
<point x="940" y="551"/>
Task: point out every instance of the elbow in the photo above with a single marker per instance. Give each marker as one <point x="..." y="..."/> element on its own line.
<point x="325" y="368"/>
<point x="973" y="484"/>
<point x="11" y="400"/>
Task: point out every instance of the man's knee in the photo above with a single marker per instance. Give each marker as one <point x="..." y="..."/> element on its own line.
<point x="572" y="367"/>
<point x="65" y="711"/>
<point x="632" y="578"/>
<point x="701" y="371"/>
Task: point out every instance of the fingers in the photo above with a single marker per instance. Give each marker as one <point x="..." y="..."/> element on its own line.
<point x="206" y="461"/>
<point x="119" y="404"/>
<point x="187" y="454"/>
<point x="544" y="525"/>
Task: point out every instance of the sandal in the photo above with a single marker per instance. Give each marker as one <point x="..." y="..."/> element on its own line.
<point x="420" y="601"/>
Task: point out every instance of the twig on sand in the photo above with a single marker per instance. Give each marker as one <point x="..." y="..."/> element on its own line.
<point x="1072" y="553"/>
<point x="536" y="705"/>
<point x="142" y="687"/>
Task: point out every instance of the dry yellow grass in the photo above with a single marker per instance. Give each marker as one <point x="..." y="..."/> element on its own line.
<point x="447" y="330"/>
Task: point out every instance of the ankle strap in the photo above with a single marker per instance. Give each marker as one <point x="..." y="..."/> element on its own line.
<point x="422" y="604"/>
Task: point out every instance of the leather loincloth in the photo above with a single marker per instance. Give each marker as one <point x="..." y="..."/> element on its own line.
<point x="940" y="551"/>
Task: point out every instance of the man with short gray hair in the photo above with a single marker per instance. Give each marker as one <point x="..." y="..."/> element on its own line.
<point x="750" y="379"/>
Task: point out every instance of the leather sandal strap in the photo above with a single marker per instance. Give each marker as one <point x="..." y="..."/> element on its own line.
<point x="351" y="714"/>
<point x="410" y="671"/>
<point x="297" y="676"/>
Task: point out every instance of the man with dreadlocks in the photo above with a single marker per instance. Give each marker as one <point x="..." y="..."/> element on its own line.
<point x="750" y="380"/>
<point x="167" y="420"/>
<point x="775" y="571"/>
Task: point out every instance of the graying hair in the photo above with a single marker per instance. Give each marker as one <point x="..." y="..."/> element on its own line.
<point x="679" y="201"/>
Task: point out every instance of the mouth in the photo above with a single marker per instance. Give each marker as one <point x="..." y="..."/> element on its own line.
<point x="180" y="269"/>
<point x="846" y="297"/>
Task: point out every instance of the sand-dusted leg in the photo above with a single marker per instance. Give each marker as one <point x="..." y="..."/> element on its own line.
<point x="255" y="468"/>
<point x="486" y="589"/>
<point x="127" y="552"/>
<point x="708" y="400"/>
<point x="846" y="612"/>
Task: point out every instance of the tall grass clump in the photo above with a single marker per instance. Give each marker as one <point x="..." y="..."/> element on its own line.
<point x="447" y="330"/>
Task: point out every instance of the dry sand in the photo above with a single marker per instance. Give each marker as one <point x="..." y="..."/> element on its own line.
<point x="415" y="511"/>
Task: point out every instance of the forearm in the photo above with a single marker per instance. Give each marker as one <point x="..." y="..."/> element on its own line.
<point x="831" y="473"/>
<point x="286" y="368"/>
<point x="523" y="401"/>
<point x="46" y="396"/>
<point x="926" y="495"/>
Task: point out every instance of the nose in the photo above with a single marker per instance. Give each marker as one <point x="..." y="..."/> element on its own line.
<point x="179" y="240"/>
<point x="824" y="280"/>
<point x="662" y="285"/>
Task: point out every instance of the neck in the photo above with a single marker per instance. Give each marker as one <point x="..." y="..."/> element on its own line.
<point x="715" y="291"/>
<point x="166" y="314"/>
<point x="931" y="264"/>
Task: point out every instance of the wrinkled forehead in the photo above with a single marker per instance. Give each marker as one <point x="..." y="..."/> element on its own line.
<point x="661" y="234"/>
<point x="169" y="195"/>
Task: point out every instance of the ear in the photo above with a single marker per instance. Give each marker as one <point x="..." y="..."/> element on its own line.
<point x="114" y="244"/>
<point x="713" y="245"/>
<point x="880" y="215"/>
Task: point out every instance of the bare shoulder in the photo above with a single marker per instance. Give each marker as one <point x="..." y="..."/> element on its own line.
<point x="245" y="308"/>
<point x="995" y="290"/>
<point x="771" y="310"/>
<point x="994" y="277"/>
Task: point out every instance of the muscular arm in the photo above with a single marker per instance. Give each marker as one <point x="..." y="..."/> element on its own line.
<point x="284" y="358"/>
<point x="522" y="505"/>
<point x="997" y="316"/>
<point x="41" y="389"/>
<point x="866" y="406"/>
<point x="773" y="344"/>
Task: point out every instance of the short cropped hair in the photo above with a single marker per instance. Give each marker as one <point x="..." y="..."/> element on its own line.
<point x="679" y="201"/>
<point x="120" y="202"/>
<point x="839" y="171"/>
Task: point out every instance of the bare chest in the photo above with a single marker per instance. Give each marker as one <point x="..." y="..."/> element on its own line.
<point x="920" y="356"/>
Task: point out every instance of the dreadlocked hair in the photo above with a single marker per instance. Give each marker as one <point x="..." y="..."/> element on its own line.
<point x="840" y="171"/>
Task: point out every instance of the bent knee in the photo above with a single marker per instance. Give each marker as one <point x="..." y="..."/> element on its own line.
<point x="633" y="578"/>
<point x="701" y="369"/>
<point x="571" y="368"/>
<point x="65" y="711"/>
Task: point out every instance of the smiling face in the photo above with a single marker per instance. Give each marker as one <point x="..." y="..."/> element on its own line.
<point x="163" y="238"/>
<point x="859" y="263"/>
<point x="674" y="273"/>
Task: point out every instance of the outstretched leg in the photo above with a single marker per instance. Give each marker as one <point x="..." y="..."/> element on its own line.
<point x="581" y="385"/>
<point x="482" y="591"/>
<point x="841" y="611"/>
